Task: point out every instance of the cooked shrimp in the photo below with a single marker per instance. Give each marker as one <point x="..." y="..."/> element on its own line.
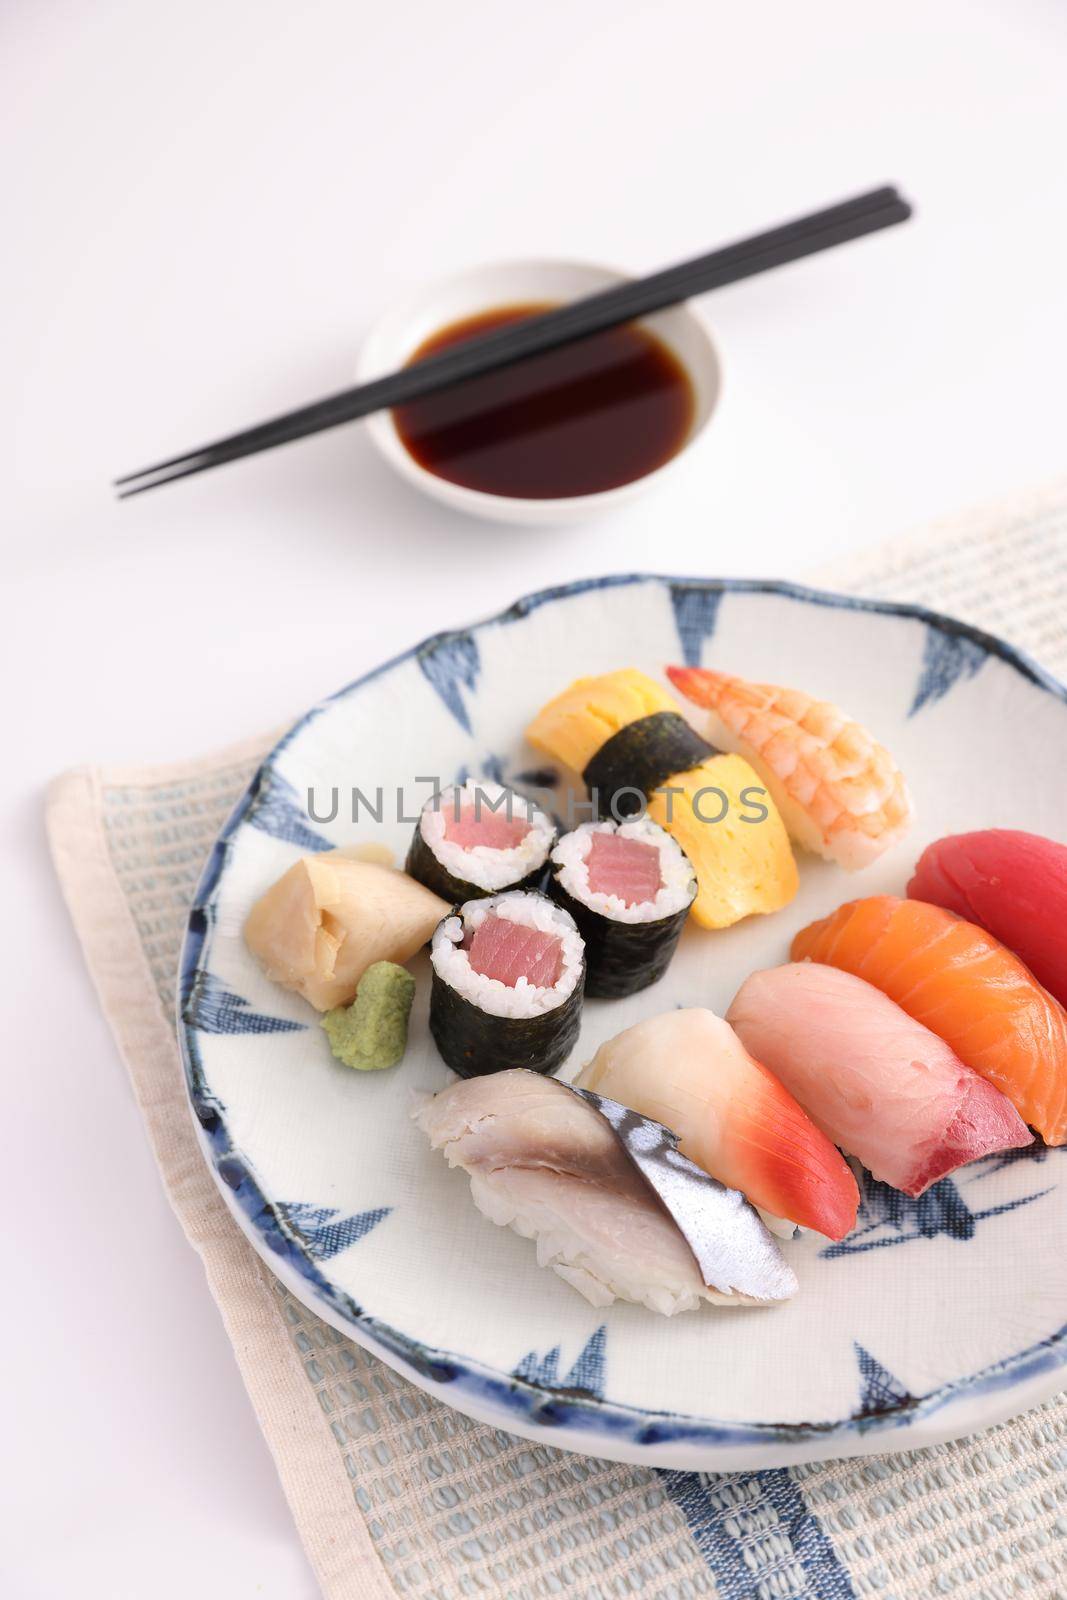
<point x="840" y="793"/>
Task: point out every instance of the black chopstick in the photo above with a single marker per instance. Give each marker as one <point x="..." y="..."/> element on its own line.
<point x="820" y="230"/>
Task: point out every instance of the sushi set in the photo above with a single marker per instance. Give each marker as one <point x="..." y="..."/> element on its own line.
<point x="728" y="1015"/>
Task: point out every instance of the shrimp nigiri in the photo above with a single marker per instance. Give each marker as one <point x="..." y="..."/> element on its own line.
<point x="840" y="793"/>
<point x="688" y="1070"/>
<point x="964" y="986"/>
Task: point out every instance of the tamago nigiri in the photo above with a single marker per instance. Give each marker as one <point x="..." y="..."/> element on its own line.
<point x="840" y="793"/>
<point x="971" y="991"/>
<point x="875" y="1081"/>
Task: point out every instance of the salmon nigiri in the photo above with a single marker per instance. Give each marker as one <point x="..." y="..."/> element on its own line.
<point x="839" y="792"/>
<point x="689" y="1071"/>
<point x="1012" y="884"/>
<point x="874" y="1080"/>
<point x="957" y="980"/>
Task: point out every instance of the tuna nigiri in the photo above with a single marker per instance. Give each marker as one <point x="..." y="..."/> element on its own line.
<point x="546" y="1162"/>
<point x="688" y="1070"/>
<point x="957" y="980"/>
<point x="874" y="1080"/>
<point x="840" y="794"/>
<point x="1012" y="884"/>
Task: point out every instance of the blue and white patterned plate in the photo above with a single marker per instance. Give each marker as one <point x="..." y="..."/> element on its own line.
<point x="935" y="1317"/>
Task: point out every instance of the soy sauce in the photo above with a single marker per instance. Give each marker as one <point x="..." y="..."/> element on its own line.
<point x="590" y="416"/>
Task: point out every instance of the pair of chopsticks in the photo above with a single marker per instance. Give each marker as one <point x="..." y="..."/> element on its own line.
<point x="821" y="230"/>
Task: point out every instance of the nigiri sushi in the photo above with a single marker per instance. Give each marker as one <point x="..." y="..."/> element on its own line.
<point x="330" y="917"/>
<point x="688" y="1070"/>
<point x="627" y="738"/>
<point x="1010" y="883"/>
<point x="546" y="1162"/>
<point x="874" y="1080"/>
<point x="840" y="793"/>
<point x="957" y="980"/>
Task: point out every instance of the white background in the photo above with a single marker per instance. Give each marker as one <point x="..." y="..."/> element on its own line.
<point x="204" y="204"/>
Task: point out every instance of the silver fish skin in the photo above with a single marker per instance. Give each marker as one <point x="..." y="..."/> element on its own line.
<point x="726" y="1234"/>
<point x="547" y="1161"/>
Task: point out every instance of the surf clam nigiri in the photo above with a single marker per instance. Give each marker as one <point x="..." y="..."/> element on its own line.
<point x="967" y="988"/>
<point x="840" y="793"/>
<point x="688" y="1070"/>
<point x="877" y="1082"/>
<point x="1012" y="884"/>
<point x="330" y="917"/>
<point x="547" y="1163"/>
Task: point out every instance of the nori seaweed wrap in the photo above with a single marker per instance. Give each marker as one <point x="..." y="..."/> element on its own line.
<point x="508" y="976"/>
<point x="629" y="889"/>
<point x="640" y="759"/>
<point x="479" y="838"/>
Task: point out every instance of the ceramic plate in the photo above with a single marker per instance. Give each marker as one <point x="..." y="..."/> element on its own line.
<point x="935" y="1317"/>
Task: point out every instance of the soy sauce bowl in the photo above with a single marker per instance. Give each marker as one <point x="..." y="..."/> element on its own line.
<point x="400" y="332"/>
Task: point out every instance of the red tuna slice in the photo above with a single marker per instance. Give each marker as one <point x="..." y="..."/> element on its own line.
<point x="985" y="1123"/>
<point x="509" y="951"/>
<point x="1012" y="884"/>
<point x="478" y="825"/>
<point x="626" y="868"/>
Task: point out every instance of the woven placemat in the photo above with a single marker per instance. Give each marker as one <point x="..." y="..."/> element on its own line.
<point x="395" y="1494"/>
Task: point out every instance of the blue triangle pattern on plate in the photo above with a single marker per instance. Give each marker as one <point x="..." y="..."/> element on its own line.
<point x="451" y="663"/>
<point x="947" y="657"/>
<point x="213" y="1008"/>
<point x="880" y="1391"/>
<point x="588" y="1371"/>
<point x="539" y="1369"/>
<point x="276" y="810"/>
<point x="324" y="1236"/>
<point x="696" y="612"/>
<point x="586" y="1374"/>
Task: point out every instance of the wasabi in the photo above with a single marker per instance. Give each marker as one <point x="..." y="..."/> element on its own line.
<point x="372" y="1033"/>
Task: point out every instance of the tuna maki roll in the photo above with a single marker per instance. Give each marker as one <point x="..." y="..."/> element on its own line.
<point x="628" y="887"/>
<point x="508" y="973"/>
<point x="479" y="838"/>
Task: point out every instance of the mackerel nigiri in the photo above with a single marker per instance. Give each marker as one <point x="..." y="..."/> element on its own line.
<point x="688" y="1070"/>
<point x="1010" y="883"/>
<point x="965" y="986"/>
<point x="875" y="1081"/>
<point x="840" y="793"/>
<point x="613" y="1208"/>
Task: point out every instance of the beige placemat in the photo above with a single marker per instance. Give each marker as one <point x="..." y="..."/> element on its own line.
<point x="395" y="1494"/>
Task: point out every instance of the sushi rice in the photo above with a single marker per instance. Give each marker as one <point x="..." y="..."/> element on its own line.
<point x="452" y="964"/>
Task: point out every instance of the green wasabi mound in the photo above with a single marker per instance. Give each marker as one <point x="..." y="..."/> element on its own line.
<point x="372" y="1033"/>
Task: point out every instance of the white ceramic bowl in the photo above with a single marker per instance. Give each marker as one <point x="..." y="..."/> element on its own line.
<point x="398" y="333"/>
